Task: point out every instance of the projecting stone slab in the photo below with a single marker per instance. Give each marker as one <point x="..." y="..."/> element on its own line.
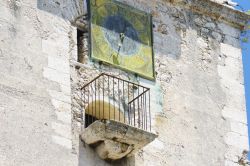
<point x="113" y="140"/>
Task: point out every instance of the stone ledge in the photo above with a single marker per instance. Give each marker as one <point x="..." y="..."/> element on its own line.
<point x="216" y="11"/>
<point x="113" y="140"/>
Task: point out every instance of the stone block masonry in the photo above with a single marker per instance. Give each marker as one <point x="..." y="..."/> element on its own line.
<point x="198" y="104"/>
<point x="36" y="93"/>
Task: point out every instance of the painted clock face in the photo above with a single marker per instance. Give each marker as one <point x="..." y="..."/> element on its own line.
<point x="122" y="36"/>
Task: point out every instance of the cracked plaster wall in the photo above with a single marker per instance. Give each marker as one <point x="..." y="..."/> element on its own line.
<point x="200" y="118"/>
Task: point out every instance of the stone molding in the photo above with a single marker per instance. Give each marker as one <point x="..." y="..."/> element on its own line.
<point x="216" y="11"/>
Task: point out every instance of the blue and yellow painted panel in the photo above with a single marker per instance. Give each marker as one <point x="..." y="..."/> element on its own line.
<point x="122" y="36"/>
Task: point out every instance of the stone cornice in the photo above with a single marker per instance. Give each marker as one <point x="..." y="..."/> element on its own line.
<point x="216" y="11"/>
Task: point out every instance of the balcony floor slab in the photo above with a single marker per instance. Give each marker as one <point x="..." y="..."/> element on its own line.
<point x="114" y="140"/>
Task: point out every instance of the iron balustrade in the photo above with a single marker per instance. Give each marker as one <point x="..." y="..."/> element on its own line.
<point x="111" y="98"/>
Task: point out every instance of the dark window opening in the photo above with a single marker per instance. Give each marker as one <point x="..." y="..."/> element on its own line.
<point x="89" y="120"/>
<point x="81" y="48"/>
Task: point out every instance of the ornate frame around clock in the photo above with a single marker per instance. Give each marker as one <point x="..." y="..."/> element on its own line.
<point x="131" y="49"/>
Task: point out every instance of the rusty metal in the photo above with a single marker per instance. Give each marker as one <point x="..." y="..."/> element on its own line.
<point x="112" y="98"/>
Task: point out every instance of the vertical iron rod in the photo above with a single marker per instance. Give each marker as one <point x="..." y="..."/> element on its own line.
<point x="103" y="98"/>
<point x="133" y="102"/>
<point x="95" y="98"/>
<point x="149" y="113"/>
<point x="114" y="97"/>
<point x="92" y="115"/>
<point x="144" y="109"/>
<point x="109" y="97"/>
<point x="134" y="111"/>
<point x="88" y="108"/>
<point x="124" y="100"/>
<point x="141" y="113"/>
<point x="128" y="106"/>
<point x="99" y="100"/>
<point x="119" y="100"/>
<point x="146" y="112"/>
<point x="138" y="106"/>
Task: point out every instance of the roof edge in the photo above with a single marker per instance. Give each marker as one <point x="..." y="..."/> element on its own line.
<point x="217" y="11"/>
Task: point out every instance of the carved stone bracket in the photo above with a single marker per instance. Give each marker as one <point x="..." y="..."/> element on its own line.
<point x="113" y="140"/>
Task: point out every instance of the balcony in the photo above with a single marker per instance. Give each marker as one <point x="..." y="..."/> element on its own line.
<point x="117" y="116"/>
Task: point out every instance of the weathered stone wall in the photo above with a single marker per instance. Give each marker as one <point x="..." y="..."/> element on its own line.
<point x="200" y="116"/>
<point x="35" y="102"/>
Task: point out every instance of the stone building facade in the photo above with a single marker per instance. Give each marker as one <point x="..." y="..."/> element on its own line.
<point x="198" y="100"/>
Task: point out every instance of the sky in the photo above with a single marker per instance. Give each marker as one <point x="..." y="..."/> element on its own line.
<point x="245" y="4"/>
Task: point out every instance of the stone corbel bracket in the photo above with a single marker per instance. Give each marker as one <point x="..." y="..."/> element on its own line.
<point x="216" y="11"/>
<point x="113" y="140"/>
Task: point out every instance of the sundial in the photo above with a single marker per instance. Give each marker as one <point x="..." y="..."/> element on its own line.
<point x="122" y="36"/>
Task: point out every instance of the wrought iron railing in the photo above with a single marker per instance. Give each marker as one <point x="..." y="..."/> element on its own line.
<point x="112" y="98"/>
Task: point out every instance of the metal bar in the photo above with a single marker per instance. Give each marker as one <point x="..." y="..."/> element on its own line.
<point x="99" y="101"/>
<point x="114" y="97"/>
<point x="125" y="80"/>
<point x="138" y="107"/>
<point x="149" y="113"/>
<point x="92" y="80"/>
<point x="95" y="98"/>
<point x="138" y="96"/>
<point x="133" y="102"/>
<point x="109" y="97"/>
<point x="141" y="112"/>
<point x="146" y="112"/>
<point x="103" y="96"/>
<point x="134" y="112"/>
<point x="92" y="115"/>
<point x="112" y="77"/>
<point x="124" y="101"/>
<point x="128" y="106"/>
<point x="119" y="100"/>
<point x="88" y="109"/>
<point x="129" y="109"/>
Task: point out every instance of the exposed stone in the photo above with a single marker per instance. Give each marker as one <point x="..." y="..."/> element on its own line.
<point x="217" y="36"/>
<point x="163" y="29"/>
